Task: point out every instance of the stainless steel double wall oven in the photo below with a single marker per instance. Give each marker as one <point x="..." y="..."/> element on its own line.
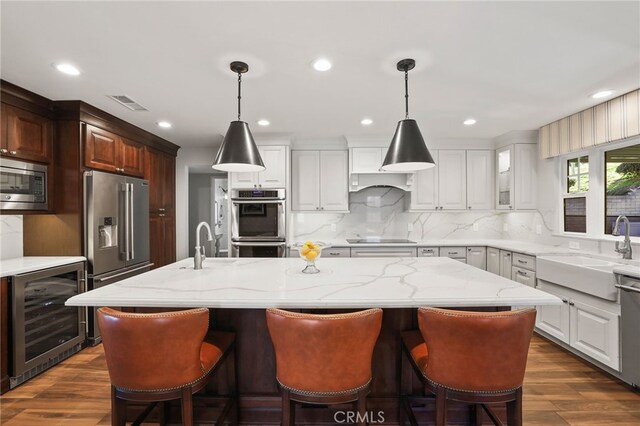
<point x="258" y="223"/>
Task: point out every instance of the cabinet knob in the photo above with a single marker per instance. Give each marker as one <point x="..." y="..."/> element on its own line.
<point x="13" y="152"/>
<point x="255" y="186"/>
<point x="571" y="304"/>
<point x="260" y="185"/>
<point x="4" y="150"/>
<point x="469" y="207"/>
<point x="510" y="207"/>
<point x="7" y="197"/>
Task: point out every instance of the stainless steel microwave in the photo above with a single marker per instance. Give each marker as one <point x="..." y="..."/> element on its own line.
<point x="23" y="186"/>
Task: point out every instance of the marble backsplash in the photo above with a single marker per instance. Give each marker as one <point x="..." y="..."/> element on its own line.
<point x="10" y="236"/>
<point x="382" y="212"/>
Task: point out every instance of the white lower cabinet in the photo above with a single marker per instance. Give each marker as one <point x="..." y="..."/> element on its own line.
<point x="493" y="260"/>
<point x="586" y="323"/>
<point x="505" y="264"/>
<point x="523" y="276"/>
<point x="477" y="256"/>
<point x="384" y="252"/>
<point x="428" y="252"/>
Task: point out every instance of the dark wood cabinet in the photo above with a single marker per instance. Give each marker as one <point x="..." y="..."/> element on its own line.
<point x="160" y="171"/>
<point x="4" y="335"/>
<point x="107" y="151"/>
<point x="26" y="135"/>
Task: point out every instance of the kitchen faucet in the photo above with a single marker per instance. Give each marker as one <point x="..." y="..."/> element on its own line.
<point x="199" y="256"/>
<point x="626" y="245"/>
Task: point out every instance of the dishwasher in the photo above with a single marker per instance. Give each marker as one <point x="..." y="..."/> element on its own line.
<point x="630" y="328"/>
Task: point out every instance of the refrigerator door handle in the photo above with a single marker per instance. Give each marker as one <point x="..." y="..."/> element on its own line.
<point x="132" y="244"/>
<point x="127" y="243"/>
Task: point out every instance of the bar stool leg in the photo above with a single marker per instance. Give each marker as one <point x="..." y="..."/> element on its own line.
<point x="232" y="386"/>
<point x="476" y="414"/>
<point x="288" y="409"/>
<point x="362" y="407"/>
<point x="187" y="407"/>
<point x="441" y="406"/>
<point x="514" y="409"/>
<point x="118" y="409"/>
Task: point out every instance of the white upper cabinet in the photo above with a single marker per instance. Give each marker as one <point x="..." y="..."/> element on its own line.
<point x="424" y="195"/>
<point x="480" y="175"/>
<point x="575" y="132"/>
<point x="632" y="114"/>
<point x="367" y="160"/>
<point x="452" y="179"/>
<point x="601" y="122"/>
<point x="275" y="173"/>
<point x="319" y="181"/>
<point x="516" y="177"/>
<point x="616" y="119"/>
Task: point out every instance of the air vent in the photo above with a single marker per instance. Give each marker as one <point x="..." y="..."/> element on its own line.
<point x="128" y="102"/>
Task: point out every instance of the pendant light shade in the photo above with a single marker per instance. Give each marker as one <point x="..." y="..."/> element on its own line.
<point x="408" y="152"/>
<point x="238" y="152"/>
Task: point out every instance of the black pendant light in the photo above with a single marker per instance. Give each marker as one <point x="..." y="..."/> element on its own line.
<point x="407" y="152"/>
<point x="238" y="152"/>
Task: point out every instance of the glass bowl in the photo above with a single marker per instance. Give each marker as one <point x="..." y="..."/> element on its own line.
<point x="310" y="251"/>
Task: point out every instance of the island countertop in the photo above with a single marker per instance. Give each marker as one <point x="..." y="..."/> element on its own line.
<point x="256" y="283"/>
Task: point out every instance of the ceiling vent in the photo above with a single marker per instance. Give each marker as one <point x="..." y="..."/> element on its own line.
<point x="128" y="102"/>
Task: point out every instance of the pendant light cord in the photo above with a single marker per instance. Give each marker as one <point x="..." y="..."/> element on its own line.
<point x="406" y="94"/>
<point x="239" y="91"/>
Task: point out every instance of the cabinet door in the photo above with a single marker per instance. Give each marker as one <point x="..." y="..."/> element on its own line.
<point x="595" y="332"/>
<point x="616" y="119"/>
<point x="493" y="260"/>
<point x="169" y="185"/>
<point x="244" y="179"/>
<point x="169" y="243"/>
<point x="588" y="130"/>
<point x="525" y="166"/>
<point x="477" y="256"/>
<point x="275" y="162"/>
<point x="452" y="179"/>
<point x="366" y="160"/>
<point x="564" y="135"/>
<point x="305" y="180"/>
<point x="505" y="264"/>
<point x="424" y="195"/>
<point x="131" y="157"/>
<point x="480" y="172"/>
<point x="575" y="132"/>
<point x="632" y="114"/>
<point x="554" y="319"/>
<point x="156" y="241"/>
<point x="504" y="178"/>
<point x="100" y="149"/>
<point x="601" y="127"/>
<point x="28" y="136"/>
<point x="334" y="180"/>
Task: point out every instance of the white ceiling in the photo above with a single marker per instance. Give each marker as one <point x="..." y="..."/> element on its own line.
<point x="510" y="65"/>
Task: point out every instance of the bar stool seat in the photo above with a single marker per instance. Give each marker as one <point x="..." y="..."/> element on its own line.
<point x="164" y="356"/>
<point x="473" y="357"/>
<point x="323" y="359"/>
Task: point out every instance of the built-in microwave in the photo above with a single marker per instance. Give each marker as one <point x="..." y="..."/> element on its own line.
<point x="23" y="186"/>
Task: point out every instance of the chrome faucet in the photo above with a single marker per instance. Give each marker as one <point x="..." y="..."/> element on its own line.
<point x="625" y="249"/>
<point x="199" y="256"/>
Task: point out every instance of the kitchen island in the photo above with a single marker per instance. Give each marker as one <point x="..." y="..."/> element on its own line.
<point x="238" y="290"/>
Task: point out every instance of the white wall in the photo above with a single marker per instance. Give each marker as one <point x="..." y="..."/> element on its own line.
<point x="199" y="210"/>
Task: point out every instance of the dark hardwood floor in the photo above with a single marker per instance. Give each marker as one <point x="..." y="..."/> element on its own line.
<point x="559" y="389"/>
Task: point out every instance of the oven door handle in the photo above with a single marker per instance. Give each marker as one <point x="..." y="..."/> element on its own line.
<point x="258" y="244"/>
<point x="259" y="201"/>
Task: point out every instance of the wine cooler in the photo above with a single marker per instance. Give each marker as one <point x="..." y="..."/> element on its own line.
<point x="45" y="331"/>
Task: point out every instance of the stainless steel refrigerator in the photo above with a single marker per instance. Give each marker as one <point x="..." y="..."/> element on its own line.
<point x="116" y="232"/>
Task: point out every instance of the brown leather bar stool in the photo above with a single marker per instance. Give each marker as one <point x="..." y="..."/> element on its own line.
<point x="323" y="359"/>
<point x="472" y="357"/>
<point x="163" y="356"/>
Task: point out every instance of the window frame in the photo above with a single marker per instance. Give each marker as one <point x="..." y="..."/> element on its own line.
<point x="564" y="193"/>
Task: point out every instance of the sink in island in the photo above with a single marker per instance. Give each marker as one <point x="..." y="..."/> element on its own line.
<point x="238" y="290"/>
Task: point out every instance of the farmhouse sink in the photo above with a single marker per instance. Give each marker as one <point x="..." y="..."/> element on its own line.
<point x="582" y="273"/>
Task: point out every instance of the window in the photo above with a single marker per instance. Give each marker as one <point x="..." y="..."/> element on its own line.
<point x="575" y="200"/>
<point x="622" y="193"/>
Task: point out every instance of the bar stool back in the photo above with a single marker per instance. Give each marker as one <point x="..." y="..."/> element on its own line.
<point x="163" y="356"/>
<point x="323" y="359"/>
<point x="474" y="357"/>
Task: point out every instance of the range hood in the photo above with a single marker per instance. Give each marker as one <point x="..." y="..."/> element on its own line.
<point x="358" y="181"/>
<point x="365" y="162"/>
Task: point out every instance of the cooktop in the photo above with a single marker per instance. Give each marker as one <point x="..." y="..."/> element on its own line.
<point x="379" y="241"/>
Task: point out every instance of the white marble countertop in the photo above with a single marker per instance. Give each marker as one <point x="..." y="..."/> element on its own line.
<point x="628" y="270"/>
<point x="525" y="247"/>
<point x="255" y="283"/>
<point x="21" y="265"/>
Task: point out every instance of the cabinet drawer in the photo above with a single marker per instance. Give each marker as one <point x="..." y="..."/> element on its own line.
<point x="460" y="252"/>
<point x="383" y="252"/>
<point x="428" y="251"/>
<point x="524" y="261"/>
<point x="337" y="252"/>
<point x="523" y="276"/>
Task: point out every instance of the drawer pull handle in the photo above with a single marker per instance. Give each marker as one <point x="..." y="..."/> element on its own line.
<point x="522" y="261"/>
<point x="628" y="288"/>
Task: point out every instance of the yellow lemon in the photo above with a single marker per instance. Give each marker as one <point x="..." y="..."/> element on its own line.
<point x="315" y="247"/>
<point x="312" y="254"/>
<point x="304" y="250"/>
<point x="308" y="243"/>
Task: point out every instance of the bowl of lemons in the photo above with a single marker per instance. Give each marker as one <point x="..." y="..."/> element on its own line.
<point x="310" y="251"/>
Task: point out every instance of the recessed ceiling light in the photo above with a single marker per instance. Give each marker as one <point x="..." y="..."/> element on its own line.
<point x="602" y="94"/>
<point x="164" y="124"/>
<point x="366" y="121"/>
<point x="67" y="69"/>
<point x="469" y="122"/>
<point x="322" y="64"/>
<point x="263" y="122"/>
